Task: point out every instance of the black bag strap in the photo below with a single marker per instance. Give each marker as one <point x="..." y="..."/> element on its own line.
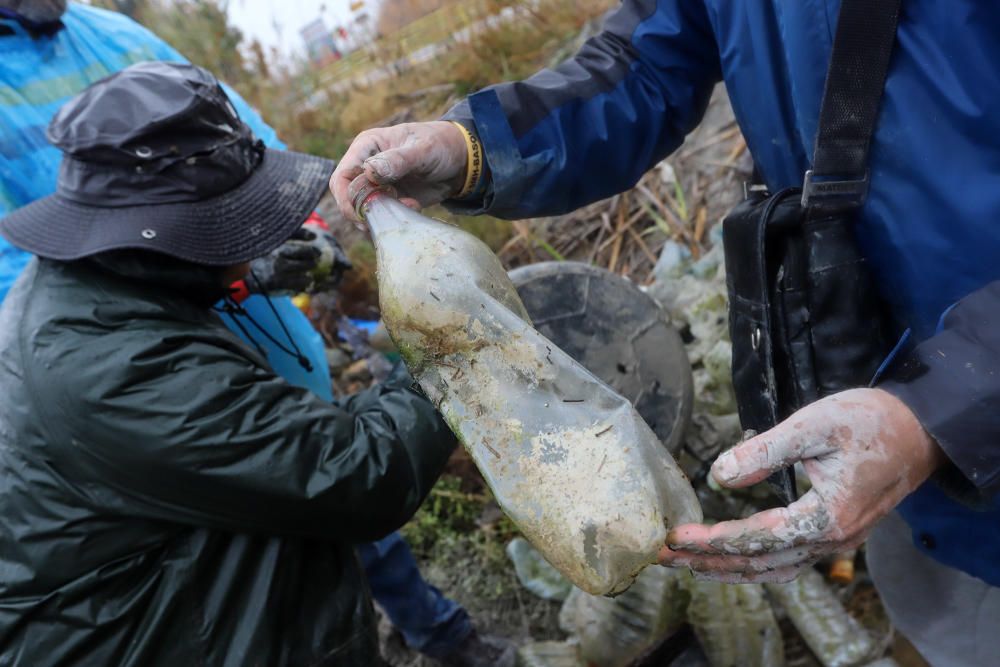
<point x="866" y="32"/>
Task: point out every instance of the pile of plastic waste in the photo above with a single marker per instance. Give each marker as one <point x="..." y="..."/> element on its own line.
<point x="735" y="625"/>
<point x="804" y="622"/>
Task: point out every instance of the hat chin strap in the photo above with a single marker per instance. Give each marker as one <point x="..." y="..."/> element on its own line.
<point x="36" y="11"/>
<point x="234" y="309"/>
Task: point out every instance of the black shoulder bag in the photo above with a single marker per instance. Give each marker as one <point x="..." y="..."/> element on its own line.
<point x="804" y="315"/>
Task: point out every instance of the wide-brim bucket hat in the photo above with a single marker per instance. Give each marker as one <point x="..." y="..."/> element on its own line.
<point x="156" y="157"/>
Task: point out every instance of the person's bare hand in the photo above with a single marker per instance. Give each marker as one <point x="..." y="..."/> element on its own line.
<point x="864" y="451"/>
<point x="425" y="162"/>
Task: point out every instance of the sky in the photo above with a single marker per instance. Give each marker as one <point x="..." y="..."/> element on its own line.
<point x="276" y="23"/>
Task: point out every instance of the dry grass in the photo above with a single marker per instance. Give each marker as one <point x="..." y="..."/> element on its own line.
<point x="680" y="200"/>
<point x="499" y="52"/>
<point x="395" y="14"/>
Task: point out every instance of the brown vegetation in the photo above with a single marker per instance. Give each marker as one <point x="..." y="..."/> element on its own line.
<point x="394" y="14"/>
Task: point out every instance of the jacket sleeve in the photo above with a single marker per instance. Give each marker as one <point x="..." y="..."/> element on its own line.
<point x="592" y="126"/>
<point x="951" y="382"/>
<point x="204" y="436"/>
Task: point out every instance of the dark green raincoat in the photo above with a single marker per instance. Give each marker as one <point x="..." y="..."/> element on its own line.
<point x="165" y="499"/>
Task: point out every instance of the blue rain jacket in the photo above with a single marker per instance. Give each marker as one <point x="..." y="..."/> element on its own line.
<point x="38" y="75"/>
<point x="931" y="226"/>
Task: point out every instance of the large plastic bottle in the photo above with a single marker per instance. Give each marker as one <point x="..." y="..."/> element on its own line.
<point x="614" y="632"/>
<point x="568" y="459"/>
<point x="834" y="636"/>
<point x="735" y="624"/>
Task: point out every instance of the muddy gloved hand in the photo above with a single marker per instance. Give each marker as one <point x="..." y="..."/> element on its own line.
<point x="311" y="260"/>
<point x="425" y="162"/>
<point x="863" y="450"/>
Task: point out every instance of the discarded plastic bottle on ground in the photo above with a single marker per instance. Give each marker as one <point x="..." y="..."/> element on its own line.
<point x="735" y="624"/>
<point x="549" y="654"/>
<point x="613" y="632"/>
<point x="568" y="459"/>
<point x="535" y="573"/>
<point x="834" y="636"/>
<point x="883" y="662"/>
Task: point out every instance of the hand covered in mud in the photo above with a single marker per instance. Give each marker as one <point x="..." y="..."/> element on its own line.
<point x="863" y="450"/>
<point x="425" y="162"/>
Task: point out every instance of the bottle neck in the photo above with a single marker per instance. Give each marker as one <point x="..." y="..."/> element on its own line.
<point x="365" y="192"/>
<point x="381" y="211"/>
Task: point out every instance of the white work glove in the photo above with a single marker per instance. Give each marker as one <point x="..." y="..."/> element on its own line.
<point x="425" y="162"/>
<point x="864" y="451"/>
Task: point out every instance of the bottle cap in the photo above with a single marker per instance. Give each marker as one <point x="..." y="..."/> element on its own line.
<point x="362" y="190"/>
<point x="842" y="568"/>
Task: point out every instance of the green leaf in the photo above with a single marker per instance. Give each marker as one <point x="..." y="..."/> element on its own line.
<point x="682" y="207"/>
<point x="660" y="221"/>
<point x="556" y="255"/>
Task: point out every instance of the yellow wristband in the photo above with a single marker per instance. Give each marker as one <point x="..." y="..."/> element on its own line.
<point x="474" y="161"/>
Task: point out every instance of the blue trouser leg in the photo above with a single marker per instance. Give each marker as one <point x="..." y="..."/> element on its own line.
<point x="430" y="622"/>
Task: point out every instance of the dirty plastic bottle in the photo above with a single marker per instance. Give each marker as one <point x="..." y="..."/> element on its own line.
<point x="549" y="654"/>
<point x="568" y="459"/>
<point x="735" y="624"/>
<point x="834" y="636"/>
<point x="614" y="632"/>
<point x="535" y="573"/>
